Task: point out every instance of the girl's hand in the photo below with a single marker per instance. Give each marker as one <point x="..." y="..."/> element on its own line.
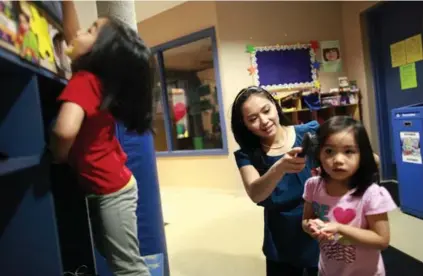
<point x="313" y="228"/>
<point x="330" y="231"/>
<point x="318" y="229"/>
<point x="290" y="163"/>
<point x="330" y="228"/>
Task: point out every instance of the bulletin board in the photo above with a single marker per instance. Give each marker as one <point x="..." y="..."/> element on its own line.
<point x="284" y="66"/>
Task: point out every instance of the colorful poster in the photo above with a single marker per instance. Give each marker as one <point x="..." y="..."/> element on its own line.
<point x="41" y="28"/>
<point x="32" y="34"/>
<point x="331" y="56"/>
<point x="413" y="48"/>
<point x="408" y="76"/>
<point x="410" y="147"/>
<point x="398" y="56"/>
<point x="27" y="40"/>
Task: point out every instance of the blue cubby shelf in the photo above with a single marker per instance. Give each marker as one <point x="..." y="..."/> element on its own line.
<point x="12" y="63"/>
<point x="28" y="221"/>
<point x="18" y="163"/>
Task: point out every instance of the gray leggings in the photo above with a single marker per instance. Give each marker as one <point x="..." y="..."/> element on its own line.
<point x="115" y="232"/>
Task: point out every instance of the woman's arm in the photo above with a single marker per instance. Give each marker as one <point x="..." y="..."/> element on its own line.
<point x="70" y="20"/>
<point x="260" y="187"/>
<point x="65" y="130"/>
<point x="377" y="236"/>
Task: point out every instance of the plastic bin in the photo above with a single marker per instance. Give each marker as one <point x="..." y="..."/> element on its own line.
<point x="407" y="131"/>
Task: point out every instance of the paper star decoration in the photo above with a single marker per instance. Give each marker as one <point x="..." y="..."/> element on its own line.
<point x="317" y="84"/>
<point x="316" y="65"/>
<point x="250" y="49"/>
<point x="252" y="70"/>
<point x="314" y="44"/>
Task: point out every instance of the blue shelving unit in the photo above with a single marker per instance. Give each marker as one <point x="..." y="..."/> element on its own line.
<point x="44" y="225"/>
<point x="29" y="240"/>
<point x="44" y="222"/>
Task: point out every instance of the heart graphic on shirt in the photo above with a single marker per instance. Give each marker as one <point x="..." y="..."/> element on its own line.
<point x="344" y="216"/>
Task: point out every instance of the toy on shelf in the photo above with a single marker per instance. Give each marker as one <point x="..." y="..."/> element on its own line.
<point x="309" y="104"/>
<point x="27" y="40"/>
<point x="8" y="25"/>
<point x="28" y="31"/>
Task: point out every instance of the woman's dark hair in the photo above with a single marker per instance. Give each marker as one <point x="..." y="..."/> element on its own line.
<point x="126" y="69"/>
<point x="247" y="141"/>
<point x="367" y="172"/>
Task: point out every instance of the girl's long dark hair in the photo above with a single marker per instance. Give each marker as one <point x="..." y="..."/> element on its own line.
<point x="367" y="172"/>
<point x="127" y="71"/>
<point x="247" y="141"/>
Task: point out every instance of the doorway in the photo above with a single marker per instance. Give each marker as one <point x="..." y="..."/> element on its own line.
<point x="388" y="23"/>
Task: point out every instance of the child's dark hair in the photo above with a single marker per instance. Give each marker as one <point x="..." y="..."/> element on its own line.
<point x="367" y="172"/>
<point x="247" y="141"/>
<point x="126" y="69"/>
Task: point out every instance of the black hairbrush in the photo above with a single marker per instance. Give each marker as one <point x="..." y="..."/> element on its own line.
<point x="309" y="145"/>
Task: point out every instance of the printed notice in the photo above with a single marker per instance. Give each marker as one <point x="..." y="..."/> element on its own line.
<point x="408" y="76"/>
<point x="410" y="147"/>
<point x="413" y="48"/>
<point x="398" y="56"/>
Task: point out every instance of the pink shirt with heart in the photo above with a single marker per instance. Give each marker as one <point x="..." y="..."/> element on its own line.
<point x="340" y="257"/>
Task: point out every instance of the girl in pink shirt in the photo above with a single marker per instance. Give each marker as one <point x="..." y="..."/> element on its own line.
<point x="344" y="209"/>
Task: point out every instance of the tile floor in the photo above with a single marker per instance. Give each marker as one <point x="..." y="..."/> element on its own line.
<point x="214" y="232"/>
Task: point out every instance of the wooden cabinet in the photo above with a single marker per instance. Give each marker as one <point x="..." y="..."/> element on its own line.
<point x="295" y="107"/>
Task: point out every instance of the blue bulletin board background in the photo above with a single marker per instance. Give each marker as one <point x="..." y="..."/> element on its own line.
<point x="284" y="66"/>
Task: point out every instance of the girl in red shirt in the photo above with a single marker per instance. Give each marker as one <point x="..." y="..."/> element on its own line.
<point x="112" y="81"/>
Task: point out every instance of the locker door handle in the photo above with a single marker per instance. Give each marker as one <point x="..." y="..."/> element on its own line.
<point x="407" y="124"/>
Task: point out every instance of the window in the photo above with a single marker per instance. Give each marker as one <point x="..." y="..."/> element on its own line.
<point x="189" y="113"/>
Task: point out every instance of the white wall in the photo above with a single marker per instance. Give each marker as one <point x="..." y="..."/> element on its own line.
<point x="147" y="9"/>
<point x="87" y="13"/>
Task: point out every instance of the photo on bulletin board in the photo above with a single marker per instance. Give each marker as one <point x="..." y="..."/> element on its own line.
<point x="284" y="66"/>
<point x="331" y="56"/>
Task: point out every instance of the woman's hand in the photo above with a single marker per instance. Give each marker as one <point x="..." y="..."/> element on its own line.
<point x="290" y="163"/>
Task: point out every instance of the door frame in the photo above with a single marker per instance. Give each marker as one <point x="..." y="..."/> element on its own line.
<point x="380" y="97"/>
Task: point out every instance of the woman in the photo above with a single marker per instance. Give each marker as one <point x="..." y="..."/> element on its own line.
<point x="274" y="178"/>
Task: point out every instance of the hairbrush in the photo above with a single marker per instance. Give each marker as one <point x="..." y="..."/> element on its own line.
<point x="309" y="145"/>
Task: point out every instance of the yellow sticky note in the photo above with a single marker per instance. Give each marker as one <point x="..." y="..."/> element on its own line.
<point x="408" y="76"/>
<point x="413" y="48"/>
<point x="398" y="56"/>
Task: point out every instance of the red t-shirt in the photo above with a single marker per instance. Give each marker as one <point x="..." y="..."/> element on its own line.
<point x="96" y="154"/>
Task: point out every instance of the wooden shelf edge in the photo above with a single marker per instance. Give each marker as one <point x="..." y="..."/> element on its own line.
<point x="14" y="58"/>
<point x="323" y="108"/>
